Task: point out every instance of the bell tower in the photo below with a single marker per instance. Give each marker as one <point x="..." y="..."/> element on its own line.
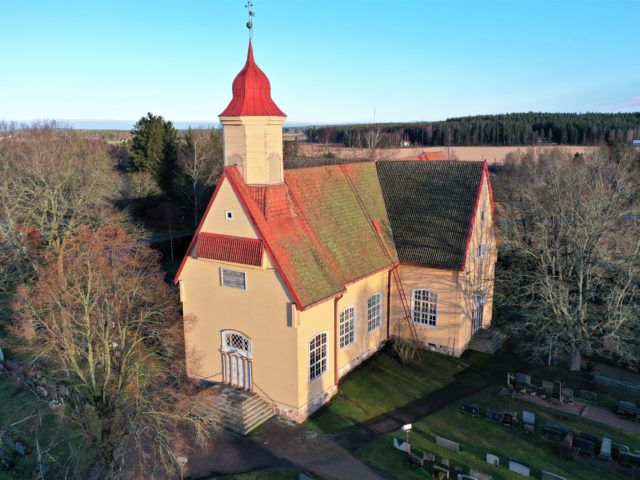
<point x="252" y="125"/>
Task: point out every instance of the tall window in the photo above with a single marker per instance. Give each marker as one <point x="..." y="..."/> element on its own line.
<point x="482" y="250"/>
<point x="425" y="307"/>
<point x="374" y="312"/>
<point x="233" y="279"/>
<point x="347" y="326"/>
<point x="317" y="355"/>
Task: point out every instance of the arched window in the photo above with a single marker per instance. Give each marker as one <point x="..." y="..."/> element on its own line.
<point x="374" y="312"/>
<point x="424" y="307"/>
<point x="236" y="342"/>
<point x="317" y="355"/>
<point x="238" y="161"/>
<point x="347" y="326"/>
<point x="275" y="168"/>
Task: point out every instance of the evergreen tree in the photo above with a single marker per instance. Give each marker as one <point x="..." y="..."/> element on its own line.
<point x="154" y="149"/>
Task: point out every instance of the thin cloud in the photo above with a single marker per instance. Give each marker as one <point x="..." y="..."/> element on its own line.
<point x="631" y="104"/>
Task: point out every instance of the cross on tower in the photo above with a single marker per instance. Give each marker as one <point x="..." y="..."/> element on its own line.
<point x="249" y="7"/>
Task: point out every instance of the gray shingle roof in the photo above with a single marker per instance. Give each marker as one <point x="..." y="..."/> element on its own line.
<point x="430" y="205"/>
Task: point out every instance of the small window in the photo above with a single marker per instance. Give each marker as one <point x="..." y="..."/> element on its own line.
<point x="233" y="279"/>
<point x="482" y="250"/>
<point x="317" y="356"/>
<point x="228" y="214"/>
<point x="347" y="326"/>
<point x="425" y="307"/>
<point x="482" y="215"/>
<point x="374" y="312"/>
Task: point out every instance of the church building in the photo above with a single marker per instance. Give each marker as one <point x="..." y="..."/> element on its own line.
<point x="297" y="273"/>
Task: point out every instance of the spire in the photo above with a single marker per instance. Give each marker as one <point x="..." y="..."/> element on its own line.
<point x="252" y="93"/>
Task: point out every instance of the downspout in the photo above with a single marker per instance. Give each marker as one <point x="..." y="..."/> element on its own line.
<point x="336" y="339"/>
<point x="389" y="303"/>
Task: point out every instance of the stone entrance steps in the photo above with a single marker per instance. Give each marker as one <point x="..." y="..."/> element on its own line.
<point x="239" y="411"/>
<point x="487" y="340"/>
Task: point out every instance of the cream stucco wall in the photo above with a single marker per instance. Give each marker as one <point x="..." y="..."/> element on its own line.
<point x="456" y="290"/>
<point x="445" y="335"/>
<point x="320" y="318"/>
<point x="479" y="272"/>
<point x="255" y="144"/>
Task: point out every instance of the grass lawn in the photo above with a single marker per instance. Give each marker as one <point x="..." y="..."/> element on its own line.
<point x="279" y="473"/>
<point x="479" y="436"/>
<point x="28" y="419"/>
<point x="382" y="384"/>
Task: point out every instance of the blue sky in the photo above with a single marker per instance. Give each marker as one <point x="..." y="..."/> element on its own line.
<point x="328" y="60"/>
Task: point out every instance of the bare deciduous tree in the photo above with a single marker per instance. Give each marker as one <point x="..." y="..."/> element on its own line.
<point x="52" y="180"/>
<point x="107" y="327"/>
<point x="570" y="255"/>
<point x="201" y="163"/>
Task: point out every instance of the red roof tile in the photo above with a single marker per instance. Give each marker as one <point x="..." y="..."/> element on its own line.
<point x="252" y="93"/>
<point x="227" y="248"/>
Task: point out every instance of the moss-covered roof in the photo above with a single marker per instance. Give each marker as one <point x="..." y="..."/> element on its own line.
<point x="430" y="206"/>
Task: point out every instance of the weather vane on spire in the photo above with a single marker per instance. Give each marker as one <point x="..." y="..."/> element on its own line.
<point x="249" y="7"/>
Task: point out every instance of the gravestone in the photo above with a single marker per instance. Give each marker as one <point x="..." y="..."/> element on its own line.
<point x="493" y="459"/>
<point x="528" y="417"/>
<point x="472" y="409"/>
<point x="1" y="356"/>
<point x="519" y="468"/>
<point x="445" y="462"/>
<point x="586" y="444"/>
<point x="551" y="476"/>
<point x="567" y="394"/>
<point x="401" y="445"/>
<point x="554" y="432"/>
<point x="605" y="449"/>
<point x="588" y="396"/>
<point x="480" y="475"/>
<point x="430" y="457"/>
<point x="437" y="470"/>
<point x="547" y="387"/>
<point x="523" y="379"/>
<point x="501" y="415"/>
<point x="448" y="444"/>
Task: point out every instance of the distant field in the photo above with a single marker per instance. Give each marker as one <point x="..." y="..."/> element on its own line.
<point x="489" y="153"/>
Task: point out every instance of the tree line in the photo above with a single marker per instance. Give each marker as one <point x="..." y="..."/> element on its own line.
<point x="504" y="129"/>
<point x="88" y="326"/>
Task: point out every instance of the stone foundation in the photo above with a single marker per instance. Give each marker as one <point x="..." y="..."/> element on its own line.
<point x="358" y="360"/>
<point x="299" y="415"/>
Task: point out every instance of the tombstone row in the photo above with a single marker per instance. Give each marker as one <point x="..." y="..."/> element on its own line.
<point x="586" y="443"/>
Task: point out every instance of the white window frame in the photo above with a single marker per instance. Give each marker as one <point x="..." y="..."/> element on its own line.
<point x="222" y="283"/>
<point x="429" y="322"/>
<point x="345" y="334"/>
<point x="482" y="250"/>
<point x="321" y="360"/>
<point x="372" y="322"/>
<point x="228" y="215"/>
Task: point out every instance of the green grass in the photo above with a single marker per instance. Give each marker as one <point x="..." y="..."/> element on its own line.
<point x="279" y="473"/>
<point x="383" y="384"/>
<point x="478" y="436"/>
<point x="27" y="418"/>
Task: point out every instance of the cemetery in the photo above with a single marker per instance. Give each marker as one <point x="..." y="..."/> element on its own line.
<point x="493" y="436"/>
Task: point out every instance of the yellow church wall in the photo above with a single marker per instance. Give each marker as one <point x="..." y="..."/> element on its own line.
<point x="445" y="336"/>
<point x="258" y="142"/>
<point x="260" y="312"/>
<point x="216" y="222"/>
<point x="320" y="318"/>
<point x="480" y="270"/>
